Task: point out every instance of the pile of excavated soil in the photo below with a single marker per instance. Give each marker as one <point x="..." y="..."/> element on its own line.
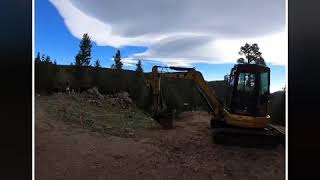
<point x="121" y="99"/>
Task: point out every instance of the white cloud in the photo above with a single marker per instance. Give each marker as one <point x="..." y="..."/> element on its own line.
<point x="181" y="32"/>
<point x="130" y="62"/>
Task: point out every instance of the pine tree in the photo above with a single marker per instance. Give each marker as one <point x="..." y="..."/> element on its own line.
<point x="139" y="69"/>
<point x="97" y="64"/>
<point x="47" y="60"/>
<point x="241" y="61"/>
<point x="84" y="55"/>
<point x="117" y="60"/>
<point x="38" y="59"/>
<point x="252" y="54"/>
<point x="96" y="73"/>
<point x="43" y="58"/>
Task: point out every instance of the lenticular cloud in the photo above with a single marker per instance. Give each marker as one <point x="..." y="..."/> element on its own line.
<point x="181" y="32"/>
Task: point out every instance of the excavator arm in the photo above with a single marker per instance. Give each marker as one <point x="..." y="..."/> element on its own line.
<point x="215" y="105"/>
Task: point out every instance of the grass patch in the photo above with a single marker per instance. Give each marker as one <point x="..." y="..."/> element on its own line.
<point x="104" y="117"/>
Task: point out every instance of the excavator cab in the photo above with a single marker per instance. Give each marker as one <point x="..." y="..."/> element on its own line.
<point x="248" y="90"/>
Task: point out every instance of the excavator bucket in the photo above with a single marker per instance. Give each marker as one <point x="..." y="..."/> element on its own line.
<point x="167" y="119"/>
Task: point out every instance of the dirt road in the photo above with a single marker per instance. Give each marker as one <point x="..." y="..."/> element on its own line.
<point x="67" y="151"/>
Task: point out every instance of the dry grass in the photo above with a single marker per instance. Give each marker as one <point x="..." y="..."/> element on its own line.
<point x="102" y="117"/>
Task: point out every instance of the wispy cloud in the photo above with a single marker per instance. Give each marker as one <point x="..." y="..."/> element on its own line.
<point x="130" y="62"/>
<point x="181" y="32"/>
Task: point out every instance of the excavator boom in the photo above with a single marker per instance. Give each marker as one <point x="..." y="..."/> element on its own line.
<point x="212" y="100"/>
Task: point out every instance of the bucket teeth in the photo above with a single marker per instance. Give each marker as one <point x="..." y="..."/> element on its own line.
<point x="167" y="119"/>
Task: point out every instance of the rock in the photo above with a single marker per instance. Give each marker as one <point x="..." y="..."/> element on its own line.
<point x="131" y="134"/>
<point x="121" y="99"/>
<point x="95" y="102"/>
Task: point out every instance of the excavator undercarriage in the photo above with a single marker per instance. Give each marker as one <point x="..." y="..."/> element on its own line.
<point x="267" y="137"/>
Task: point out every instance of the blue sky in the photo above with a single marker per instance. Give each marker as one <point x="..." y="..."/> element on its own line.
<point x="53" y="38"/>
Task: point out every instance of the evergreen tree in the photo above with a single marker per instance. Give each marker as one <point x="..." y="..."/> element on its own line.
<point x="38" y="59"/>
<point x="43" y="58"/>
<point x="97" y="64"/>
<point x="84" y="55"/>
<point x="117" y="61"/>
<point x="241" y="61"/>
<point x="252" y="54"/>
<point x="97" y="73"/>
<point x="47" y="60"/>
<point x="139" y="69"/>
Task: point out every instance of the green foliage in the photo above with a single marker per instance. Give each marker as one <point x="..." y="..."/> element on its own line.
<point x="252" y="54"/>
<point x="97" y="75"/>
<point x="84" y="55"/>
<point x="43" y="58"/>
<point x="38" y="59"/>
<point x="110" y="81"/>
<point x="117" y="61"/>
<point x="45" y="74"/>
<point x="241" y="61"/>
<point x="139" y="69"/>
<point x="175" y="98"/>
<point x="47" y="60"/>
<point x="82" y="62"/>
<point x="172" y="99"/>
<point x="277" y="107"/>
<point x="97" y="64"/>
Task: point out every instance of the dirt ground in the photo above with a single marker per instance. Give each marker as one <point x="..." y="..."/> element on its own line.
<point x="68" y="151"/>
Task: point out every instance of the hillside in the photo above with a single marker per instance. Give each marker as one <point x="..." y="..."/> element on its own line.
<point x="53" y="78"/>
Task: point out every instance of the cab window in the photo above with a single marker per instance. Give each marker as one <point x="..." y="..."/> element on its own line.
<point x="264" y="83"/>
<point x="246" y="82"/>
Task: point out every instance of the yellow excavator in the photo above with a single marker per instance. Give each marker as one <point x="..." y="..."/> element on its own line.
<point x="242" y="117"/>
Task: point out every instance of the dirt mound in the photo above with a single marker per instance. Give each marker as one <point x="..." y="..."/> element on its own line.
<point x="93" y="93"/>
<point x="121" y="99"/>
